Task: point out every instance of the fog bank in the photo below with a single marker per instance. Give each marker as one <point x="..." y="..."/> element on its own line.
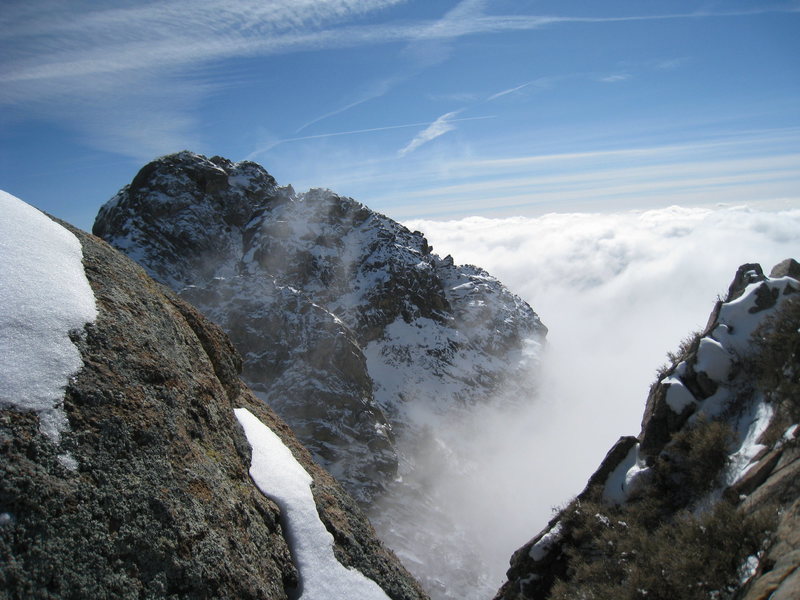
<point x="618" y="291"/>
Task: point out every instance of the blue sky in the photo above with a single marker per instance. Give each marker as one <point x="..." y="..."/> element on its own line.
<point x="420" y="109"/>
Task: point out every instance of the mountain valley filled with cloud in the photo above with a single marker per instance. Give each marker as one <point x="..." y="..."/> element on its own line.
<point x="467" y="272"/>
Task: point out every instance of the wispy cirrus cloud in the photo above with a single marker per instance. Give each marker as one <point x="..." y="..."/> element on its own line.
<point x="91" y="66"/>
<point x="436" y="129"/>
<point x="70" y="42"/>
<point x="616" y="77"/>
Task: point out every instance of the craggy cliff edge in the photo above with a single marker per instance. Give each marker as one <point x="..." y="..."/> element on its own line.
<point x="705" y="502"/>
<point x="155" y="499"/>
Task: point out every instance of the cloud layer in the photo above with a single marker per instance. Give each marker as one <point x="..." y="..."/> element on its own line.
<point x="618" y="291"/>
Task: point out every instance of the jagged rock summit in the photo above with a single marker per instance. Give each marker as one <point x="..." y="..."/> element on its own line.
<point x="142" y="489"/>
<point x="705" y="502"/>
<point x="349" y="326"/>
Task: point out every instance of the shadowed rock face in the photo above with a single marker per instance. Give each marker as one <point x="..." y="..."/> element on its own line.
<point x="742" y="374"/>
<point x="159" y="502"/>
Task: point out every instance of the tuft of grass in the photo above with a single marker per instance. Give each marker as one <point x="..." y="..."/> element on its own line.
<point x="666" y="543"/>
<point x="692" y="463"/>
<point x="688" y="346"/>
<point x="775" y="363"/>
<point x="615" y="555"/>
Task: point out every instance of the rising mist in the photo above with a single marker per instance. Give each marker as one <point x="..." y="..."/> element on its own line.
<point x="617" y="291"/>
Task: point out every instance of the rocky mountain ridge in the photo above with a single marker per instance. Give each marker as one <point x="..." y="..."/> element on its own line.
<point x="704" y="502"/>
<point x="155" y="499"/>
<point x="345" y="319"/>
<point x="350" y="327"/>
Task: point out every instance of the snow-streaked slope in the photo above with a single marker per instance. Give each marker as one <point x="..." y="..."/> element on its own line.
<point x="718" y="434"/>
<point x="705" y="385"/>
<point x="279" y="476"/>
<point x="302" y="360"/>
<point x="45" y="298"/>
<point x="347" y="322"/>
<point x="362" y="338"/>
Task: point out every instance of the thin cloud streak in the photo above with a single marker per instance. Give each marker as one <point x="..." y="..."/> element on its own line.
<point x="74" y="65"/>
<point x="436" y="129"/>
<point x="508" y="91"/>
<point x="378" y="89"/>
<point x="355" y="132"/>
<point x="672" y="175"/>
<point x="615" y="78"/>
<point x="740" y="141"/>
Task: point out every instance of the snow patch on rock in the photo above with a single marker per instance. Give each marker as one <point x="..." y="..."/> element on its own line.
<point x="278" y="475"/>
<point x="678" y="397"/>
<point x="539" y="550"/>
<point x="753" y="426"/>
<point x="45" y="295"/>
<point x="625" y="478"/>
<point x="713" y="359"/>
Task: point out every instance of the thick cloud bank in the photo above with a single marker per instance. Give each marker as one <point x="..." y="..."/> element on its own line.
<point x="618" y="291"/>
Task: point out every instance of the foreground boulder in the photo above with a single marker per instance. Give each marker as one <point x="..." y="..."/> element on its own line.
<point x="145" y="491"/>
<point x="705" y="502"/>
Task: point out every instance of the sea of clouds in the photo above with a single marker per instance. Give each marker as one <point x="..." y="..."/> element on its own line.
<point x="617" y="291"/>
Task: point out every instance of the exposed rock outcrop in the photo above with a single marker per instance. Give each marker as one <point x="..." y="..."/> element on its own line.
<point x="717" y="455"/>
<point x="155" y="500"/>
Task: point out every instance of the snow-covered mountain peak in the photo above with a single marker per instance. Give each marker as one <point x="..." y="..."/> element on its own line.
<point x="349" y="326"/>
<point x="346" y="320"/>
<point x="189" y="205"/>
